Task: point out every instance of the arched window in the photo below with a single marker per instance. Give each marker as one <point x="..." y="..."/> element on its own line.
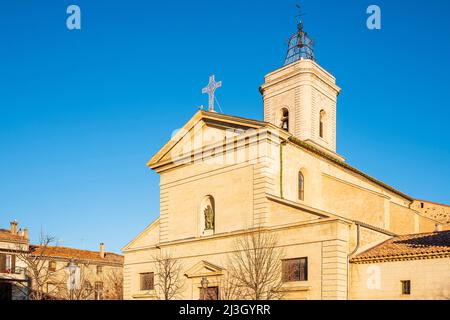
<point x="301" y="186"/>
<point x="285" y="119"/>
<point x="322" y="124"/>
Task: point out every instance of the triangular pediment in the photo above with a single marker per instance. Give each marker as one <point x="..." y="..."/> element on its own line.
<point x="204" y="269"/>
<point x="148" y="237"/>
<point x="202" y="130"/>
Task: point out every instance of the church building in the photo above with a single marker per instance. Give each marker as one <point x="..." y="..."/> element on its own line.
<point x="346" y="234"/>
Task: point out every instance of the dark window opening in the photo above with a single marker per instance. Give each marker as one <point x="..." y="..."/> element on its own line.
<point x="295" y="270"/>
<point x="52" y="266"/>
<point x="322" y="124"/>
<point x="211" y="293"/>
<point x="99" y="290"/>
<point x="301" y="186"/>
<point x="5" y="291"/>
<point x="99" y="269"/>
<point x="147" y="281"/>
<point x="406" y="287"/>
<point x="285" y="120"/>
<point x="7" y="263"/>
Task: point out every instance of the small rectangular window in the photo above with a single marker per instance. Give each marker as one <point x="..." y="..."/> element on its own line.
<point x="99" y="269"/>
<point x="52" y="266"/>
<point x="295" y="270"/>
<point x="406" y="287"/>
<point x="99" y="290"/>
<point x="7" y="263"/>
<point x="147" y="281"/>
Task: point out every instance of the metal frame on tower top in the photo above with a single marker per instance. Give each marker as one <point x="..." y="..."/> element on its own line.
<point x="300" y="46"/>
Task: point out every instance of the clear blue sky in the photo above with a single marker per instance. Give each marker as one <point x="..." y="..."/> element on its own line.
<point x="81" y="112"/>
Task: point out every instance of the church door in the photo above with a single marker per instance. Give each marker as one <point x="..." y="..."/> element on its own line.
<point x="211" y="293"/>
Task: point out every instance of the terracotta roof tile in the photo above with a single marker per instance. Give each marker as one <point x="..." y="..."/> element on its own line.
<point x="7" y="235"/>
<point x="70" y="253"/>
<point x="407" y="247"/>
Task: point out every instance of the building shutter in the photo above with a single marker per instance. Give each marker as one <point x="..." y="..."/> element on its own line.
<point x="2" y="263"/>
<point x="13" y="264"/>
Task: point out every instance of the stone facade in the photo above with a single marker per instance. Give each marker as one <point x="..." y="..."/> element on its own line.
<point x="406" y="267"/>
<point x="98" y="275"/>
<point x="251" y="170"/>
<point x="12" y="270"/>
<point x="435" y="211"/>
<point x="429" y="280"/>
<point x="305" y="90"/>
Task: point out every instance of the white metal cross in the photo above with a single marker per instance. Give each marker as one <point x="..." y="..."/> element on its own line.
<point x="210" y="90"/>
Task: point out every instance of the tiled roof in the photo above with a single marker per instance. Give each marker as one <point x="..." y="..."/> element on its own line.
<point x="70" y="253"/>
<point x="8" y="236"/>
<point x="408" y="247"/>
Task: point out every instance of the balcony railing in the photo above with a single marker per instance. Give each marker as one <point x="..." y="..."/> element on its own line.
<point x="13" y="271"/>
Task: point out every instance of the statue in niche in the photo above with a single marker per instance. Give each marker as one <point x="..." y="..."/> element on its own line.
<point x="209" y="218"/>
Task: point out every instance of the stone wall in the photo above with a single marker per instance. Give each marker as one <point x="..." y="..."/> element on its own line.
<point x="426" y="276"/>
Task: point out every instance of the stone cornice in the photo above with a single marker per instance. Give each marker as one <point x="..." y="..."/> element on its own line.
<point x="303" y="67"/>
<point x="241" y="233"/>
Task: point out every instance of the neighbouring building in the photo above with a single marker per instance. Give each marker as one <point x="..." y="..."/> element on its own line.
<point x="412" y="267"/>
<point x="13" y="279"/>
<point x="344" y="234"/>
<point x="48" y="272"/>
<point x="97" y="274"/>
<point x="435" y="211"/>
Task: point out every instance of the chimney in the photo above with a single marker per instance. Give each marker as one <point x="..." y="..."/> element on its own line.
<point x="13" y="226"/>
<point x="25" y="233"/>
<point x="102" y="250"/>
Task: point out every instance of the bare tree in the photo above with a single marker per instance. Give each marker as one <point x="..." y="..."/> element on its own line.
<point x="85" y="283"/>
<point x="83" y="290"/>
<point x="115" y="283"/>
<point x="47" y="275"/>
<point x="255" y="266"/>
<point x="230" y="288"/>
<point x="37" y="269"/>
<point x="168" y="277"/>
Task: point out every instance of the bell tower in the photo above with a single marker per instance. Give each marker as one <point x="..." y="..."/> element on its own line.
<point x="301" y="96"/>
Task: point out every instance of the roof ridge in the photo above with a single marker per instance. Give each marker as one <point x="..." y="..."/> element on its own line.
<point x="75" y="249"/>
<point x="347" y="166"/>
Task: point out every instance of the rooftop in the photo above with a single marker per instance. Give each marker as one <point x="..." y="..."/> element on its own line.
<point x="408" y="247"/>
<point x="76" y="254"/>
<point x="6" y="235"/>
